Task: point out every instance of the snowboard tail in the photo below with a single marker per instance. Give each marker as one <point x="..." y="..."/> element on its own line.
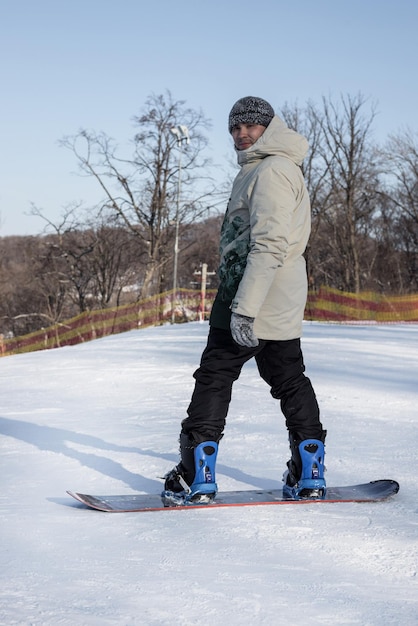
<point x="375" y="491"/>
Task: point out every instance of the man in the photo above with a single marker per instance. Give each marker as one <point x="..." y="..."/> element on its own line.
<point x="258" y="309"/>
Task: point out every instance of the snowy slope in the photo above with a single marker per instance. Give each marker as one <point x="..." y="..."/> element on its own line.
<point x="104" y="417"/>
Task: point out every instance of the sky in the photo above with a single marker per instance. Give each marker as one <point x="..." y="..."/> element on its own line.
<point x="92" y="64"/>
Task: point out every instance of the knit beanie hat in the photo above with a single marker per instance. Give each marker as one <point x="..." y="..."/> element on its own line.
<point x="250" y="110"/>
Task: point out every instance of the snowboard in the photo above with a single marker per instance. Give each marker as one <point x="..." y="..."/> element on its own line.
<point x="375" y="491"/>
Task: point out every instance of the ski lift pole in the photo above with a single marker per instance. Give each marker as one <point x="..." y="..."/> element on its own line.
<point x="182" y="134"/>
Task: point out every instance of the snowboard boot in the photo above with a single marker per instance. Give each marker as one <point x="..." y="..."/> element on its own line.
<point x="192" y="481"/>
<point x="304" y="478"/>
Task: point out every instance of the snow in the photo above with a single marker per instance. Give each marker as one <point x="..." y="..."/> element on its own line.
<point x="103" y="417"/>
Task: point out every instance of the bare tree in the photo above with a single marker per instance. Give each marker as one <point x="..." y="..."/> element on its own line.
<point x="114" y="265"/>
<point x="87" y="260"/>
<point x="140" y="191"/>
<point x="69" y="254"/>
<point x="51" y="282"/>
<point x="23" y="306"/>
<point x="351" y="171"/>
<point x="401" y="153"/>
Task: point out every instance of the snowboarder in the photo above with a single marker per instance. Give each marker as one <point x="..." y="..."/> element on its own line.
<point x="258" y="309"/>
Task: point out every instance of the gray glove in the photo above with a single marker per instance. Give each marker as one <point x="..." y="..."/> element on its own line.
<point x="242" y="329"/>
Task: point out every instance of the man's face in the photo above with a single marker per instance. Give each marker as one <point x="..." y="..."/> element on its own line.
<point x="245" y="135"/>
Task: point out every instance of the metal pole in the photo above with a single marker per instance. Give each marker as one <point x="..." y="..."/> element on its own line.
<point x="176" y="238"/>
<point x="182" y="134"/>
<point x="203" y="292"/>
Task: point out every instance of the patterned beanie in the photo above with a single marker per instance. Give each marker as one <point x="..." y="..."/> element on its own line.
<point x="250" y="110"/>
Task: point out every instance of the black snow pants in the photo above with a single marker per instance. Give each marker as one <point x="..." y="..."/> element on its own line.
<point x="280" y="364"/>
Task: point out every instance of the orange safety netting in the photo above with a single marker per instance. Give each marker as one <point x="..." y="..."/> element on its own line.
<point x="332" y="305"/>
<point x="327" y="304"/>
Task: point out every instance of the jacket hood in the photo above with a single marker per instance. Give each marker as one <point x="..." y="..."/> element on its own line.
<point x="277" y="140"/>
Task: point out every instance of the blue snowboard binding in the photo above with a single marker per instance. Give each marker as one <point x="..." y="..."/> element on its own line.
<point x="305" y="476"/>
<point x="197" y="467"/>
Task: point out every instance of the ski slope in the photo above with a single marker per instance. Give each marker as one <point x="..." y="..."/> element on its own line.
<point x="103" y="417"/>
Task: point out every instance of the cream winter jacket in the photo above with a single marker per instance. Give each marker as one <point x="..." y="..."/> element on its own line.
<point x="264" y="235"/>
